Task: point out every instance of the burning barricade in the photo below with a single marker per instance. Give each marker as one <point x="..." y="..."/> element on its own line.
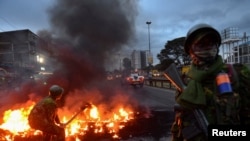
<point x="119" y="119"/>
<point x="15" y="125"/>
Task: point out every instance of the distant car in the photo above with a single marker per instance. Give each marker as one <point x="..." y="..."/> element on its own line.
<point x="156" y="74"/>
<point x="110" y="77"/>
<point x="6" y="78"/>
<point x="134" y="79"/>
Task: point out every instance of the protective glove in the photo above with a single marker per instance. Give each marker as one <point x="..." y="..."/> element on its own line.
<point x="63" y="125"/>
<point x="86" y="105"/>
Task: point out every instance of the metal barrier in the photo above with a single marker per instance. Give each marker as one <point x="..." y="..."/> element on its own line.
<point x="159" y="82"/>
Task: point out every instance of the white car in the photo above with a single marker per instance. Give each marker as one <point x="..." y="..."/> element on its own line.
<point x="110" y="77"/>
<point x="135" y="79"/>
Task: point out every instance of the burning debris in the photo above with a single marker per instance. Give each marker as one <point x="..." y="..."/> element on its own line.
<point x="15" y="122"/>
<point x="91" y="124"/>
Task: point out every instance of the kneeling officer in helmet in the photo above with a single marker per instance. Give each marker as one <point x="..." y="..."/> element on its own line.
<point x="202" y="45"/>
<point x="44" y="116"/>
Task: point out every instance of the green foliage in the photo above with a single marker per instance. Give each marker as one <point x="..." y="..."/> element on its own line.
<point x="127" y="64"/>
<point x="164" y="64"/>
<point x="173" y="52"/>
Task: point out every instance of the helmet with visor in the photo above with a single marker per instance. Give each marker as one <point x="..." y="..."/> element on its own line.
<point x="202" y="43"/>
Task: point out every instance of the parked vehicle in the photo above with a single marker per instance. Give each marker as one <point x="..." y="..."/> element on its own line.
<point x="110" y="77"/>
<point x="6" y="77"/>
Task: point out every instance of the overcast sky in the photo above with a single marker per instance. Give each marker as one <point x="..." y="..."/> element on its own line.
<point x="170" y="18"/>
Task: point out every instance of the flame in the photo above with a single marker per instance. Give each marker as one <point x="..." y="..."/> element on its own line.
<point x="94" y="112"/>
<point x="15" y="121"/>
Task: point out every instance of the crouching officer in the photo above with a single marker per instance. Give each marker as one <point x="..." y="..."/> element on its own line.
<point x="44" y="116"/>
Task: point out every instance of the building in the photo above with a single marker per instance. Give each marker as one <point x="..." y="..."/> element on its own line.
<point x="19" y="52"/>
<point x="139" y="59"/>
<point x="244" y="56"/>
<point x="235" y="48"/>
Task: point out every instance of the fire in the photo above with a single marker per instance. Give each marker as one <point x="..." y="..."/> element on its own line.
<point x="94" y="113"/>
<point x="15" y="121"/>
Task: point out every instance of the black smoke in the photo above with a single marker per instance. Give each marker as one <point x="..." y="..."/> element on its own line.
<point x="89" y="33"/>
<point x="86" y="36"/>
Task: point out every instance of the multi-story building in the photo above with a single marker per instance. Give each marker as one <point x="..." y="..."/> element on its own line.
<point x="234" y="48"/>
<point x="19" y="52"/>
<point x="139" y="59"/>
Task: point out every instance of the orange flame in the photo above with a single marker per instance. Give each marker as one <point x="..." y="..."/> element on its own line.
<point x="16" y="122"/>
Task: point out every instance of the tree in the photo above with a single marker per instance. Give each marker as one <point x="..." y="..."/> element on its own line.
<point x="164" y="64"/>
<point x="126" y="63"/>
<point x="174" y="50"/>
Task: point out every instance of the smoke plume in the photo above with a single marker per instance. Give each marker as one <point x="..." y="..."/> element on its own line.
<point x="90" y="33"/>
<point x="86" y="35"/>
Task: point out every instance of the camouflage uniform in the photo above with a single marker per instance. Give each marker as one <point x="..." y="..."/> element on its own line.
<point x="201" y="93"/>
<point x="44" y="117"/>
<point x="244" y="91"/>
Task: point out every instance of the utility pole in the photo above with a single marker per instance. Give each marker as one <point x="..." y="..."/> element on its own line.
<point x="150" y="57"/>
<point x="148" y="23"/>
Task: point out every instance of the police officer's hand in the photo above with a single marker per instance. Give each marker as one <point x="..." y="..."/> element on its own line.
<point x="63" y="125"/>
<point x="86" y="105"/>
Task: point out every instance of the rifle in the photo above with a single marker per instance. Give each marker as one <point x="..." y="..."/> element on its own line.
<point x="87" y="105"/>
<point x="171" y="73"/>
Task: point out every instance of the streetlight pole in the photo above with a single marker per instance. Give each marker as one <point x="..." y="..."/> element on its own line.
<point x="148" y="23"/>
<point x="150" y="59"/>
<point x="120" y="63"/>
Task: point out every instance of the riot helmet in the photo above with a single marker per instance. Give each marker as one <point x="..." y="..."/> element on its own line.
<point x="56" y="91"/>
<point x="202" y="43"/>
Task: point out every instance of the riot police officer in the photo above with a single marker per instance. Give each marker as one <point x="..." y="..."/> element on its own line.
<point x="44" y="115"/>
<point x="201" y="93"/>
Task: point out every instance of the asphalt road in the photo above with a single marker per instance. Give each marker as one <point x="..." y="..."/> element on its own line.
<point x="159" y="100"/>
<point x="156" y="98"/>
